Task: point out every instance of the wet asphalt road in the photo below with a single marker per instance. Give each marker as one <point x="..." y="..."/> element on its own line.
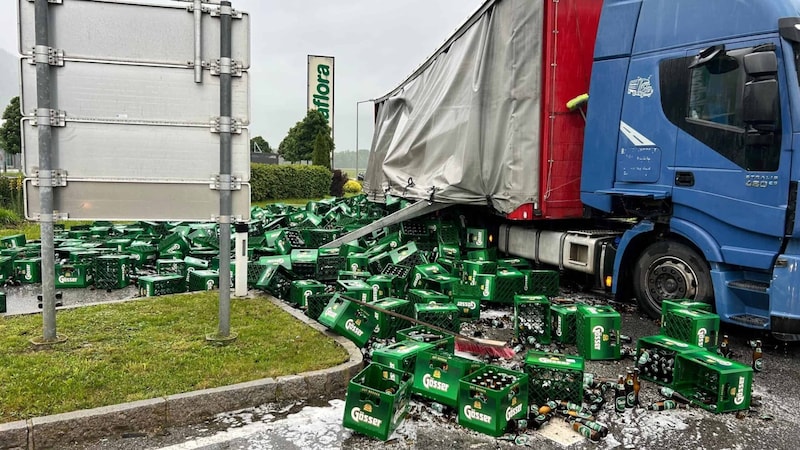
<point x="774" y="425"/>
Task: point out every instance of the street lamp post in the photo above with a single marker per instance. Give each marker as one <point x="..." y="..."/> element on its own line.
<point x="357" y="149"/>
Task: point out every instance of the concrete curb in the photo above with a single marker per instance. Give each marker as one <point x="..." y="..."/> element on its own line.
<point x="183" y="409"/>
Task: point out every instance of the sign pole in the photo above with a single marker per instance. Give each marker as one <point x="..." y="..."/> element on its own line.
<point x="45" y="175"/>
<point x="226" y="185"/>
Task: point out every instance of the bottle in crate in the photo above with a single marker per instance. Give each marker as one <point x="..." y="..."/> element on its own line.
<point x="655" y="358"/>
<point x="491" y="398"/>
<point x="532" y="318"/>
<point x="597" y="332"/>
<point x="712" y="382"/>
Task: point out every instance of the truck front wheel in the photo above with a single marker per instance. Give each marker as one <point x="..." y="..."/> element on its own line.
<point x="669" y="270"/>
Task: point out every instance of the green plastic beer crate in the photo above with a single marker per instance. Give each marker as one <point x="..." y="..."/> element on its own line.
<point x="415" y="229"/>
<point x="486" y="254"/>
<point x="386" y="286"/>
<point x="437" y="374"/>
<point x="669" y="305"/>
<point x="302" y="289"/>
<point x="452" y="266"/>
<point x="563" y="323"/>
<point x="28" y="270"/>
<point x="406" y="255"/>
<point x="357" y="289"/>
<point x="350" y="275"/>
<point x="277" y="281"/>
<point x="508" y="283"/>
<point x="597" y="330"/>
<point x="3" y="305"/>
<point x="118" y="244"/>
<point x="444" y="283"/>
<point x="329" y="263"/>
<point x="656" y="358"/>
<point x="349" y="248"/>
<point x="468" y="300"/>
<point x="486" y="285"/>
<point x="442" y="315"/>
<point x="441" y="341"/>
<point x="317" y="237"/>
<point x="203" y="280"/>
<point x="276" y="260"/>
<point x="155" y="285"/>
<point x="514" y="263"/>
<point x="398" y="270"/>
<point x="142" y="254"/>
<point x="76" y="275"/>
<point x="83" y="256"/>
<point x="400" y="355"/>
<point x="488" y="408"/>
<point x="554" y="376"/>
<point x="540" y="282"/>
<point x="471" y="270"/>
<point x="13" y="241"/>
<point x="193" y="264"/>
<point x="377" y="401"/>
<point x="477" y="238"/>
<point x="712" y="382"/>
<point x="349" y="320"/>
<point x="532" y="318"/>
<point x="304" y="262"/>
<point x="378" y="261"/>
<point x="173" y="243"/>
<point x="357" y="262"/>
<point x="388" y="325"/>
<point x="316" y="303"/>
<point x="423" y="271"/>
<point x="112" y="271"/>
<point x="698" y="328"/>
<point x="171" y="266"/>
<point x="449" y="251"/>
<point x="424" y="296"/>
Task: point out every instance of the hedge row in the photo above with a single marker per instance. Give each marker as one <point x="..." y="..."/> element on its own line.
<point x="276" y="182"/>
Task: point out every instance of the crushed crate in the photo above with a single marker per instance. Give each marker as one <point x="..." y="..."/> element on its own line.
<point x="377" y="401"/>
<point x="554" y="376"/>
<point x="712" y="382"/>
<point x="490" y="398"/>
<point x="437" y="374"/>
<point x="532" y="319"/>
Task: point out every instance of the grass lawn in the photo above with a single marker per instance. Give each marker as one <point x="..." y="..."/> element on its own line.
<point x="149" y="348"/>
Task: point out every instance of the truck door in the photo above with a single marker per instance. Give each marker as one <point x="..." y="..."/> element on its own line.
<point x="732" y="159"/>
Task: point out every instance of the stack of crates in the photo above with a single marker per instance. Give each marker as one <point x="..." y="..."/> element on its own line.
<point x="377" y="401"/>
<point x="301" y="290"/>
<point x="490" y="398"/>
<point x="388" y="325"/>
<point x="597" y="332"/>
<point x="155" y="285"/>
<point x="554" y="376"/>
<point x="532" y="319"/>
<point x="656" y="358"/>
<point x="712" y="382"/>
<point x="441" y="341"/>
<point x="349" y="320"/>
<point x="400" y="355"/>
<point x="442" y="315"/>
<point x="563" y="323"/>
<point x="112" y="271"/>
<point x="437" y="375"/>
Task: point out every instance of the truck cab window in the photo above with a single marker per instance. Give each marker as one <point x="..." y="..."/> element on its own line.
<point x="716" y="98"/>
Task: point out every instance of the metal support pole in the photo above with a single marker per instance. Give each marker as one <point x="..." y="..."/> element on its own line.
<point x="198" y="41"/>
<point x="357" y="104"/>
<point x="225" y="203"/>
<point x="41" y="54"/>
<point x="241" y="259"/>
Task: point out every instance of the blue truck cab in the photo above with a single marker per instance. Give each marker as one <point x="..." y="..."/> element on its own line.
<point x="693" y="127"/>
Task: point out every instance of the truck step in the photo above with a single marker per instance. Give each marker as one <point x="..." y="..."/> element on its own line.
<point x="749" y="285"/>
<point x="750" y="320"/>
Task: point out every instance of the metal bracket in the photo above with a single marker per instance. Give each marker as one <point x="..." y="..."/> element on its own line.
<point x="37" y="217"/>
<point x="217" y="126"/>
<point x="44" y="54"/>
<point x="226" y="219"/>
<point x="235" y="68"/>
<point x="57" y="178"/>
<point x="190" y="8"/>
<point x="216" y="12"/>
<point x="53" y="117"/>
<point x="225" y="183"/>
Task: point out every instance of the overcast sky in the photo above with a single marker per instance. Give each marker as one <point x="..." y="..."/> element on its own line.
<point x="376" y="43"/>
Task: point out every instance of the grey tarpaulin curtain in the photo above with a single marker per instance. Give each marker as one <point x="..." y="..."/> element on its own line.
<point x="467" y="122"/>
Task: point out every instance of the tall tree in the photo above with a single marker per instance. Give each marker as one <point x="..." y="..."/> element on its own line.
<point x="298" y="145"/>
<point x="323" y="146"/>
<point x="10" y="136"/>
<point x="259" y="144"/>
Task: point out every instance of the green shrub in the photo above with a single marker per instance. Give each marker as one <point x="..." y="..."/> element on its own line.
<point x="11" y="194"/>
<point x="352" y="187"/>
<point x="275" y="182"/>
<point x="337" y="183"/>
<point x="9" y="217"/>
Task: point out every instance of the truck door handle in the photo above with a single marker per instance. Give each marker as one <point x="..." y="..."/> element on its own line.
<point x="685" y="179"/>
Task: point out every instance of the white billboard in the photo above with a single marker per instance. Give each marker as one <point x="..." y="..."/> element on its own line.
<point x="320" y="85"/>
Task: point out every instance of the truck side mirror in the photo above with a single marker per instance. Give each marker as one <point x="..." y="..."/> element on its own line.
<point x="761" y="94"/>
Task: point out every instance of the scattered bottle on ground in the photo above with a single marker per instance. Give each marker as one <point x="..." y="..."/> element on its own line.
<point x="758" y="363"/>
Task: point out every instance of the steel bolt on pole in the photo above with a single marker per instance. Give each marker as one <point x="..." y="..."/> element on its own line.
<point x="225" y="202"/>
<point x="45" y="175"/>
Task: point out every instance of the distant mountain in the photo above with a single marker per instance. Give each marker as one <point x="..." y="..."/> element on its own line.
<point x="9" y="78"/>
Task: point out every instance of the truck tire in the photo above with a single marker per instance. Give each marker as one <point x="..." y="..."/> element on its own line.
<point x="670" y="270"/>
